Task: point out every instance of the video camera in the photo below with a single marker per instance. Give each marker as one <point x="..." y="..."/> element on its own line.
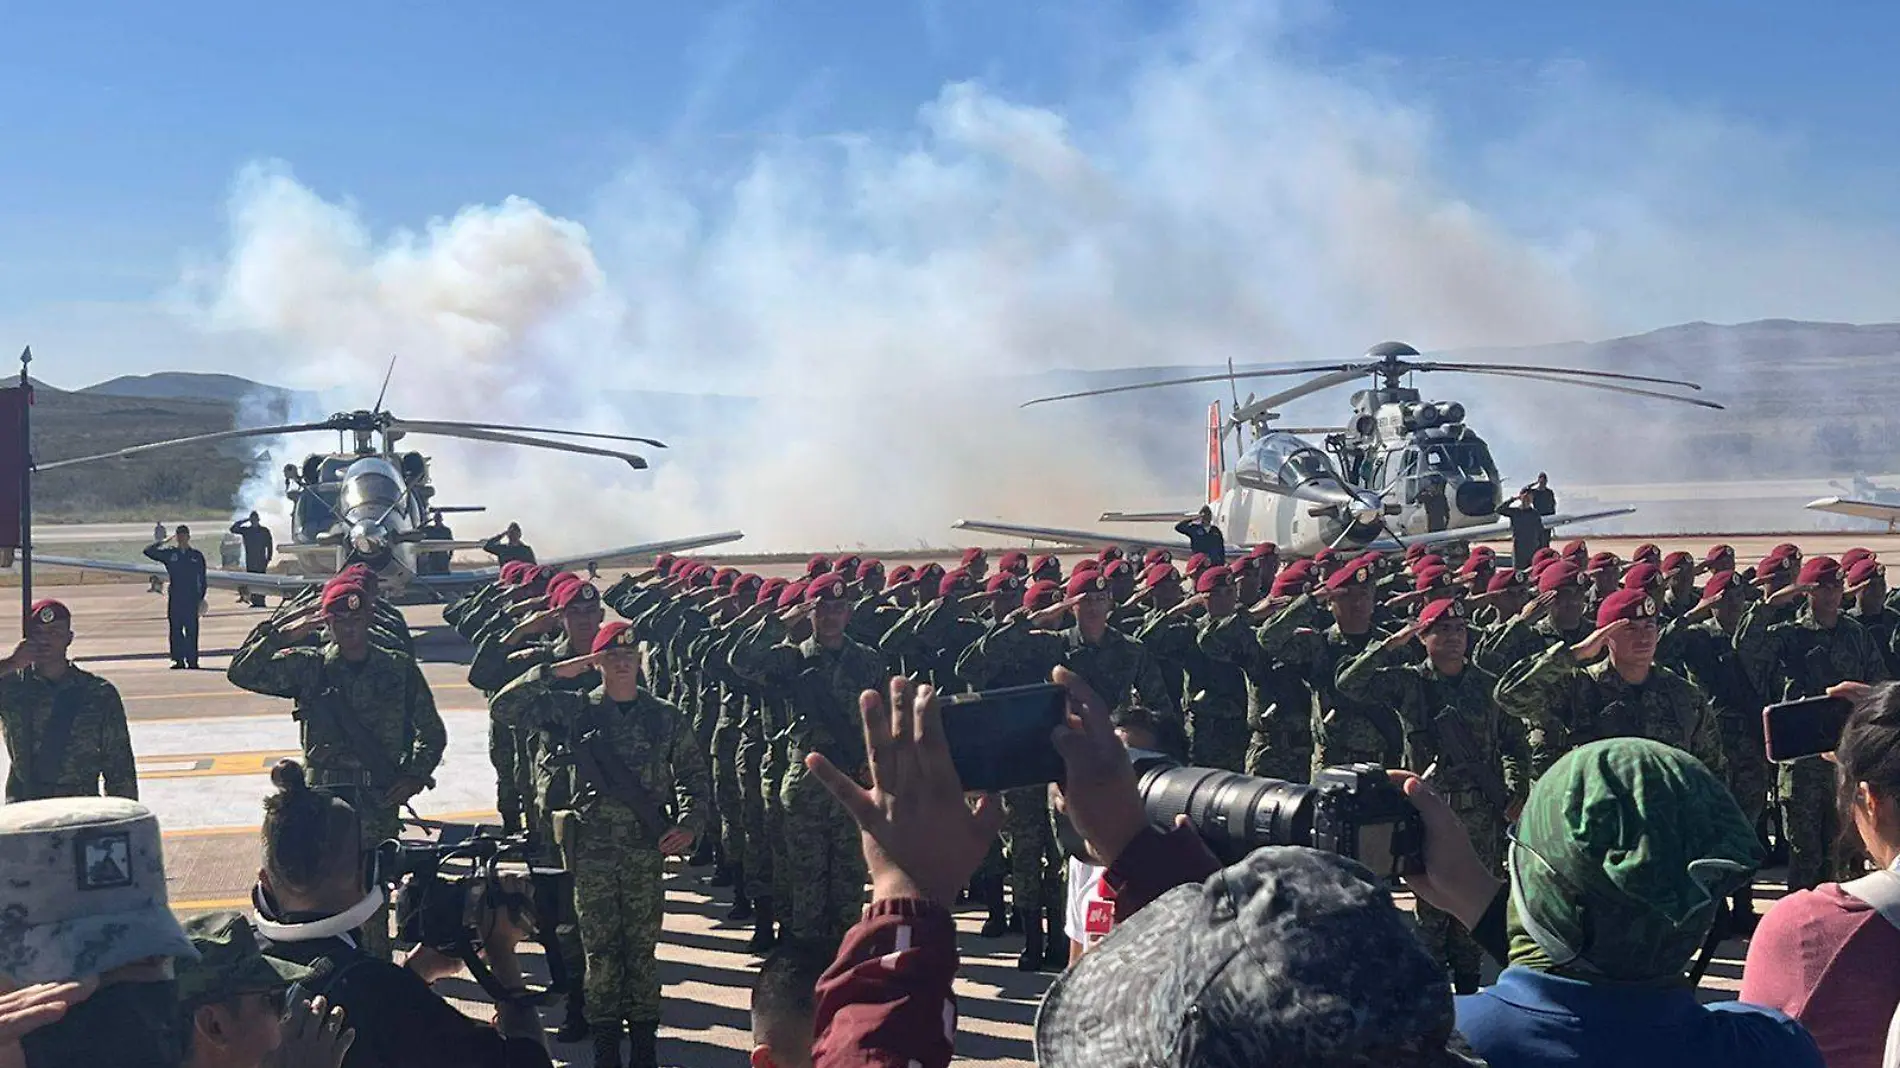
<point x="443" y="887"/>
<point x="1353" y="810"/>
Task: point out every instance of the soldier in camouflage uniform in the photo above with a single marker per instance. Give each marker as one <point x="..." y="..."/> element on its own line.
<point x="1802" y="657"/>
<point x="486" y="616"/>
<point x="1344" y="731"/>
<point x="757" y="826"/>
<point x="641" y="792"/>
<point x="1867" y="592"/>
<point x="1214" y="690"/>
<point x="1566" y="704"/>
<point x="823" y="677"/>
<point x="775" y="721"/>
<point x="1557" y="614"/>
<point x="1279" y="697"/>
<point x="881" y="601"/>
<point x="925" y="642"/>
<point x="728" y="691"/>
<point x="1472" y="752"/>
<point x="65" y="727"/>
<point x="366" y="718"/>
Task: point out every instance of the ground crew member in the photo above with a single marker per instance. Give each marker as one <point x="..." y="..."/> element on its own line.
<point x="65" y="727"/>
<point x="822" y="676"/>
<point x="258" y="549"/>
<point x="185" y="571"/>
<point x="642" y="788"/>
<point x="1456" y="736"/>
<point x="507" y="546"/>
<point x="367" y="721"/>
<point x="1801" y="657"/>
<point x="1203" y="536"/>
<point x="1565" y="703"/>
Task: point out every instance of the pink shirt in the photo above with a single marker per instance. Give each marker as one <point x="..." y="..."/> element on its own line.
<point x="1833" y="963"/>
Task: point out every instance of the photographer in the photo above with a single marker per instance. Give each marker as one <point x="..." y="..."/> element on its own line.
<point x="310" y="903"/>
<point x="1826" y="956"/>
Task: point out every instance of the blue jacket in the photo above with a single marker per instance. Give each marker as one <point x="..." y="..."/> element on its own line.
<point x="1533" y="1020"/>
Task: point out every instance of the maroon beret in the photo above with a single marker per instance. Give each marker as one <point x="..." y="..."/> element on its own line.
<point x="1214" y="578"/>
<point x="1443" y="608"/>
<point x="1626" y="604"/>
<point x="955" y="584"/>
<point x="1015" y="561"/>
<point x="339" y="597"/>
<point x="793" y="593"/>
<point x="1086" y="581"/>
<point x="1642" y="576"/>
<point x="1557" y="575"/>
<point x="825" y="588"/>
<point x="1003" y="582"/>
<point x="1040" y="594"/>
<point x="616" y="635"/>
<point x="1159" y="574"/>
<point x="1820" y="571"/>
<point x="572" y="593"/>
<point x="49" y="611"/>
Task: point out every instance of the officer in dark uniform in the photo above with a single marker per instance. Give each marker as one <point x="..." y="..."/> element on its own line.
<point x="185" y="570"/>
<point x="435" y="563"/>
<point x="1528" y="533"/>
<point x="259" y="547"/>
<point x="1203" y="536"/>
<point x="507" y="546"/>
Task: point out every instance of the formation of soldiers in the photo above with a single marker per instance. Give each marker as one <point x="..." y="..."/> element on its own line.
<point x="685" y="724"/>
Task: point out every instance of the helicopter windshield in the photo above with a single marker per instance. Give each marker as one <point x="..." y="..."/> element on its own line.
<point x="1283" y="460"/>
<point x="370" y="483"/>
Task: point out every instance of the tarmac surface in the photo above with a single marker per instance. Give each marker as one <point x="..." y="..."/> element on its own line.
<point x="204" y="749"/>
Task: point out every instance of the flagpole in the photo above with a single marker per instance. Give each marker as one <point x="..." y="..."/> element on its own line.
<point x="26" y="493"/>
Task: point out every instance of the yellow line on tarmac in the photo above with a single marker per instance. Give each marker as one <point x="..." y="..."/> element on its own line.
<point x="213" y="905"/>
<point x="477" y="816"/>
<point x="194" y="765"/>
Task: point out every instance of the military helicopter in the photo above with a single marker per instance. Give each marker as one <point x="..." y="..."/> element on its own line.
<point x="368" y="502"/>
<point x="1402" y="470"/>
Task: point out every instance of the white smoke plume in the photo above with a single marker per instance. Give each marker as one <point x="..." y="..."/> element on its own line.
<point x="1226" y="199"/>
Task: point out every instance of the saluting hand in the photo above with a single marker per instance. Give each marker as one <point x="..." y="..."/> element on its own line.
<point x="1537" y="608"/>
<point x="1789" y="593"/>
<point x="573" y="667"/>
<point x="1598" y="639"/>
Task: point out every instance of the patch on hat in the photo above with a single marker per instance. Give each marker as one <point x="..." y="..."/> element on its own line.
<point x="102" y="860"/>
<point x="48" y="614"/>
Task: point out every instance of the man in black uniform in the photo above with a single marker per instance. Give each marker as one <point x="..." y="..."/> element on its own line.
<point x="1543" y="499"/>
<point x="435" y="563"/>
<point x="1527" y="528"/>
<point x="258" y="549"/>
<point x="1203" y="536"/>
<point x="507" y="546"/>
<point x="185" y="569"/>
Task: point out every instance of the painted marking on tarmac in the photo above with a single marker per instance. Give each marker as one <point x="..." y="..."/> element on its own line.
<point x="188" y="765"/>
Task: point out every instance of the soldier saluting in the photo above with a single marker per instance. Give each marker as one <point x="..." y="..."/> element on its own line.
<point x="368" y="722"/>
<point x="65" y="727"/>
<point x="185" y="568"/>
<point x="642" y="789"/>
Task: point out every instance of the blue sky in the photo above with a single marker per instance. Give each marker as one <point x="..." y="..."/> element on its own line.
<point x="124" y="125"/>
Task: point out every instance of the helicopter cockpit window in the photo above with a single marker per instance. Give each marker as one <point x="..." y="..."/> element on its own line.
<point x="1305" y="465"/>
<point x="332" y="469"/>
<point x="370" y="487"/>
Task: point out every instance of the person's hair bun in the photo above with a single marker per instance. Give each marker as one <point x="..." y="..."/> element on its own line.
<point x="288" y="776"/>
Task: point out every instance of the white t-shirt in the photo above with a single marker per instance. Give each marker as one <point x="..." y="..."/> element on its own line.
<point x="1091" y="916"/>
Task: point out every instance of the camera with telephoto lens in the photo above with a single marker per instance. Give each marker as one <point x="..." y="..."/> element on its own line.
<point x="441" y="889"/>
<point x="1353" y="810"/>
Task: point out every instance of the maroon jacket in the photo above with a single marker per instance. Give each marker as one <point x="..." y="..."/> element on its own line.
<point x="885" y="1002"/>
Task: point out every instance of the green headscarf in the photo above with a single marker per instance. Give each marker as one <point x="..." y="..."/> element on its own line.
<point x="1620" y="862"/>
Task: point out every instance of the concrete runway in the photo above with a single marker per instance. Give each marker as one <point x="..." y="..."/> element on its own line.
<point x="204" y="749"/>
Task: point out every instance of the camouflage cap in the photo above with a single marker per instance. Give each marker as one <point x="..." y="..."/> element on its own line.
<point x="84" y="891"/>
<point x="1291" y="957"/>
<point x="229" y="962"/>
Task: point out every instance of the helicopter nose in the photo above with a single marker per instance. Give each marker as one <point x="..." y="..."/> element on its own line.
<point x="1477" y="497"/>
<point x="368" y="539"/>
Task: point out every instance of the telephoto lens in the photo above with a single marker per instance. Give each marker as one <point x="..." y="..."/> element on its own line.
<point x="1353" y="810"/>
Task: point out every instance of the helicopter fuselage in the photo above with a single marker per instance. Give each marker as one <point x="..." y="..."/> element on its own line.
<point x="363" y="509"/>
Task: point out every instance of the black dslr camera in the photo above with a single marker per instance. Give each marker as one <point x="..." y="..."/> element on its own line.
<point x="1353" y="810"/>
<point x="440" y="888"/>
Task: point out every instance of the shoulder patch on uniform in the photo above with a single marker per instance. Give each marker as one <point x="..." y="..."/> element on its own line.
<point x="102" y="860"/>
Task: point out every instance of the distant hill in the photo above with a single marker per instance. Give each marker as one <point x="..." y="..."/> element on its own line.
<point x="184" y="385"/>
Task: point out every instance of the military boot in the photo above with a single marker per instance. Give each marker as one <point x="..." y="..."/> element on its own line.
<point x="607" y="1047"/>
<point x="574" y="1024"/>
<point x="990" y="894"/>
<point x="764" y="937"/>
<point x="703" y="853"/>
<point x="644" y="1049"/>
<point x="1030" y="959"/>
<point x="741" y="905"/>
<point x="1055" y="944"/>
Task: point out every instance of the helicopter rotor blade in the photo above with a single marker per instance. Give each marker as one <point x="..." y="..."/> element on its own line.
<point x="1255" y="409"/>
<point x="1578" y="371"/>
<point x="195" y="439"/>
<point x="456" y="430"/>
<point x="432" y="425"/>
<point x="1605" y="386"/>
<point x="1304" y="369"/>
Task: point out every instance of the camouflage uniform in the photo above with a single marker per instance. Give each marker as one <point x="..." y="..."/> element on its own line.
<point x="724" y="695"/>
<point x="1422" y="696"/>
<point x="1344" y="731"/>
<point x="1705" y="654"/>
<point x="1036" y="870"/>
<point x="1792" y="659"/>
<point x="926" y="642"/>
<point x="1516" y="642"/>
<point x="387" y="695"/>
<point x="65" y="737"/>
<point x="871" y="619"/>
<point x="1882" y="626"/>
<point x="1214" y="691"/>
<point x="505" y="744"/>
<point x="617" y="866"/>
<point x="826" y="861"/>
<point x="1565" y="705"/>
<point x="1279" y="701"/>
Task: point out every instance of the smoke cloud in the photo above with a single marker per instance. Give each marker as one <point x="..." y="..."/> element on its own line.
<point x="827" y="333"/>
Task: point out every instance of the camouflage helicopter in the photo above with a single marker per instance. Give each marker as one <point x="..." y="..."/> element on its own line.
<point x="1402" y="470"/>
<point x="371" y="502"/>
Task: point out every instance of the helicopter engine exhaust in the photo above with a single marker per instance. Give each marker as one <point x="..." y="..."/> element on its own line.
<point x="1476" y="497"/>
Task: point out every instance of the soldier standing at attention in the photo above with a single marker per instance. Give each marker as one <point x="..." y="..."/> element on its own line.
<point x="258" y="548"/>
<point x="507" y="546"/>
<point x="1867" y="589"/>
<point x="1625" y="695"/>
<point x="1203" y="536"/>
<point x="642" y="788"/>
<point x="185" y="569"/>
<point x="1214" y="690"/>
<point x="822" y="677"/>
<point x="65" y="727"/>
<point x="1473" y="754"/>
<point x="368" y="723"/>
<point x="1800" y="656"/>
